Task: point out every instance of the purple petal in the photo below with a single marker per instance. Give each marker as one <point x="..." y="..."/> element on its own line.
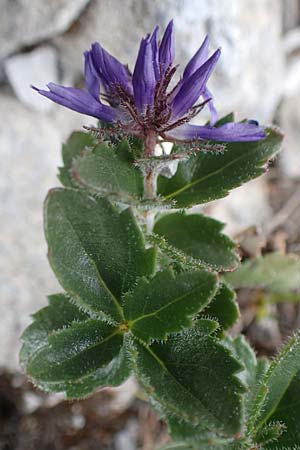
<point x="144" y="78"/>
<point x="230" y="132"/>
<point x="80" y="101"/>
<point x="153" y="40"/>
<point x="193" y="87"/>
<point x="110" y="70"/>
<point x="92" y="80"/>
<point x="199" y="58"/>
<point x="167" y="48"/>
<point x="214" y="114"/>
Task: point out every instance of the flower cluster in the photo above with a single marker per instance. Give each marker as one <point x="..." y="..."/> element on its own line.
<point x="146" y="102"/>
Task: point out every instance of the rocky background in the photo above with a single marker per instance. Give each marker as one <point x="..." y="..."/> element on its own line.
<point x="258" y="76"/>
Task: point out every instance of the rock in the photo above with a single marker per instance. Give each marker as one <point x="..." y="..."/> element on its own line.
<point x="240" y="83"/>
<point x="244" y="207"/>
<point x="30" y="145"/>
<point x="291" y="41"/>
<point x="36" y="68"/>
<point x="26" y="22"/>
<point x="291" y="85"/>
<point x="289" y="119"/>
<point x="290" y="14"/>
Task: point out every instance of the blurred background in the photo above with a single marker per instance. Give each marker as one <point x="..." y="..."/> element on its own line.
<point x="258" y="77"/>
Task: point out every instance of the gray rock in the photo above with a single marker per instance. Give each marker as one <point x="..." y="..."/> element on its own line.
<point x="289" y="119"/>
<point x="30" y="153"/>
<point x="244" y="207"/>
<point x="36" y="68"/>
<point x="291" y="14"/>
<point x="291" y="41"/>
<point x="249" y="32"/>
<point x="291" y="85"/>
<point x="25" y="22"/>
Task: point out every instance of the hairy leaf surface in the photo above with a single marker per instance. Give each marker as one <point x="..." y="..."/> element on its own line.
<point x="108" y="172"/>
<point x="167" y="302"/>
<point x="193" y="377"/>
<point x="281" y="376"/>
<point x="65" y="350"/>
<point x="208" y="176"/>
<point x="199" y="237"/>
<point x="223" y="307"/>
<point x="96" y="252"/>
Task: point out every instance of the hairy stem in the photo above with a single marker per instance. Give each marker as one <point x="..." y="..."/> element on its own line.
<point x="150" y="180"/>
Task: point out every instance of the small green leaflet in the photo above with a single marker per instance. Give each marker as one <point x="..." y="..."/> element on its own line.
<point x="275" y="384"/>
<point x="77" y="144"/>
<point x="167" y="303"/>
<point x="193" y="377"/>
<point x="254" y="369"/>
<point x="96" y="252"/>
<point x="200" y="238"/>
<point x="270" y="433"/>
<point x="223" y="307"/>
<point x="109" y="171"/>
<point x="208" y="176"/>
<point x="66" y="350"/>
<point x="274" y="272"/>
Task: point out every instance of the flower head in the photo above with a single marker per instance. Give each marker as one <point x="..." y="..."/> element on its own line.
<point x="143" y="103"/>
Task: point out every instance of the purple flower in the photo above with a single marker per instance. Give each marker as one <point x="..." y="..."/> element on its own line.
<point x="142" y="102"/>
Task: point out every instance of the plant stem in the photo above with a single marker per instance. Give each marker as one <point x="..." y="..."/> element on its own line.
<point x="150" y="180"/>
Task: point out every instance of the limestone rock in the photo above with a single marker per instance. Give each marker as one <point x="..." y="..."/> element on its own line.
<point x="26" y="22"/>
<point x="289" y="119"/>
<point x="30" y="145"/>
<point x="244" y="207"/>
<point x="36" y="68"/>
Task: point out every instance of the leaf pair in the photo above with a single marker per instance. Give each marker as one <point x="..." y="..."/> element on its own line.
<point x="109" y="170"/>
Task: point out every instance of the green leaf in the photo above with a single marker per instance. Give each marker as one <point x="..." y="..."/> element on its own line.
<point x="199" y="237"/>
<point x="62" y="350"/>
<point x="75" y="352"/>
<point x="244" y="354"/>
<point x="109" y="171"/>
<point x="167" y="302"/>
<point x="208" y="176"/>
<point x="223" y="307"/>
<point x="226" y="119"/>
<point x="287" y="413"/>
<point x="283" y="371"/>
<point x="114" y="374"/>
<point x="60" y="313"/>
<point x="275" y="272"/>
<point x="270" y="434"/>
<point x="77" y="144"/>
<point x="219" y="444"/>
<point x="193" y="377"/>
<point x="195" y="435"/>
<point x="253" y="372"/>
<point x="96" y="252"/>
